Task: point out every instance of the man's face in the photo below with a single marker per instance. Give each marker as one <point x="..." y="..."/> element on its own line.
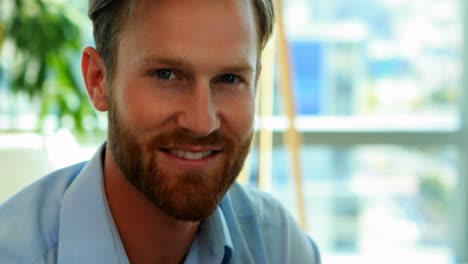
<point x="182" y="101"/>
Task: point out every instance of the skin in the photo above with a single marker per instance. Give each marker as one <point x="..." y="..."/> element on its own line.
<point x="187" y="68"/>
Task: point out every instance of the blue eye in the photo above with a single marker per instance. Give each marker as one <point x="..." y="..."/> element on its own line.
<point x="165" y="74"/>
<point x="229" y="78"/>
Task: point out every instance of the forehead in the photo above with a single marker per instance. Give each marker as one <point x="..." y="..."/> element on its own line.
<point x="192" y="28"/>
<point x="241" y="11"/>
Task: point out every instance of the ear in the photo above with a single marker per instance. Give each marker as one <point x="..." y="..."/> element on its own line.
<point x="94" y="75"/>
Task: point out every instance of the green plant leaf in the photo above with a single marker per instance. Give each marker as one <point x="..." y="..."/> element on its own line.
<point x="45" y="41"/>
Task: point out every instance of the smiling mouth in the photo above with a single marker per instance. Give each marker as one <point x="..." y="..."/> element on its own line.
<point x="191" y="155"/>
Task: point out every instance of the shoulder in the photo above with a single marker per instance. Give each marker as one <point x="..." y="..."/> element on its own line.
<point x="29" y="219"/>
<point x="266" y="228"/>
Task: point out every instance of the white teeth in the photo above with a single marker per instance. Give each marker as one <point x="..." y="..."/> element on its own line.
<point x="190" y="155"/>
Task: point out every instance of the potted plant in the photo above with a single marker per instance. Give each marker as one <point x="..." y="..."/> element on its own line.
<point x="40" y="42"/>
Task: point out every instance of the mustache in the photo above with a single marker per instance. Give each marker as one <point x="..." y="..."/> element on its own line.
<point x="180" y="137"/>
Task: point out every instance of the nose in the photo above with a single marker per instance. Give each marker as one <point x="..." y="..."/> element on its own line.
<point x="200" y="115"/>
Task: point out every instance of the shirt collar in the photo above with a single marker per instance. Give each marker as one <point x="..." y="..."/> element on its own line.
<point x="87" y="232"/>
<point x="213" y="243"/>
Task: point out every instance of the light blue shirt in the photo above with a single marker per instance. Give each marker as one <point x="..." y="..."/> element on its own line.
<point x="65" y="218"/>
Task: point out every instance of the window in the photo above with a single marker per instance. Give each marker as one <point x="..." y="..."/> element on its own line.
<point x="378" y="93"/>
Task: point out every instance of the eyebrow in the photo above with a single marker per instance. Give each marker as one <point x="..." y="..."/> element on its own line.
<point x="174" y="62"/>
<point x="243" y="67"/>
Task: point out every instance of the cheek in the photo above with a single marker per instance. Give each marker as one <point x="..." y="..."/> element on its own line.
<point x="144" y="107"/>
<point x="133" y="110"/>
<point x="237" y="115"/>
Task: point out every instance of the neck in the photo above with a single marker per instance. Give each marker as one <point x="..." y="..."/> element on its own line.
<point x="148" y="234"/>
